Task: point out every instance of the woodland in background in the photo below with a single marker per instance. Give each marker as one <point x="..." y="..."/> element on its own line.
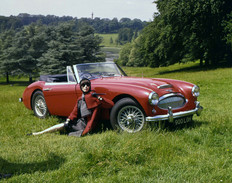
<point x="184" y="31"/>
<point x="39" y="49"/>
<point x="35" y="44"/>
<point x="101" y="26"/>
<point x="180" y="32"/>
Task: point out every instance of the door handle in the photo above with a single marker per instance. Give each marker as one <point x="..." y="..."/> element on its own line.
<point x="47" y="89"/>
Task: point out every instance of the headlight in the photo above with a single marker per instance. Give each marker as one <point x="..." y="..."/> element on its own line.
<point x="196" y="91"/>
<point x="153" y="98"/>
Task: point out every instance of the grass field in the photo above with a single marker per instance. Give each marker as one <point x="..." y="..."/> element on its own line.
<point x="201" y="152"/>
<point x="109" y="40"/>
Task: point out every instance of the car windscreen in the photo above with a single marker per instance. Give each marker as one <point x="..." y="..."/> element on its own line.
<point x="98" y="70"/>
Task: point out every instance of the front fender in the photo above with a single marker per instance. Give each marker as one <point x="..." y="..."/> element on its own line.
<point x="28" y="92"/>
<point x="139" y="93"/>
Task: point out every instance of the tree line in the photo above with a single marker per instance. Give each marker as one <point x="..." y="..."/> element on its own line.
<point x="33" y="45"/>
<point x="181" y="31"/>
<point x="39" y="49"/>
<point x="184" y="31"/>
<point x="102" y="26"/>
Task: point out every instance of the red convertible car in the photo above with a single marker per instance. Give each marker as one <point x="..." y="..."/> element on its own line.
<point x="137" y="100"/>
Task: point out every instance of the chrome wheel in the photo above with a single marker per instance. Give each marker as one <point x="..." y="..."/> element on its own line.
<point x="39" y="105"/>
<point x="131" y="119"/>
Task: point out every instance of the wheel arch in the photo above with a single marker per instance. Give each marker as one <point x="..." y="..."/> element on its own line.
<point x="33" y="95"/>
<point x="119" y="97"/>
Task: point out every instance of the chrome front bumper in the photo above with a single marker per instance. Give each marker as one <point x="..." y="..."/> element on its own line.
<point x="171" y="116"/>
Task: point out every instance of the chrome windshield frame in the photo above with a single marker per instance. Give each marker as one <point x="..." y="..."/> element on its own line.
<point x="118" y="70"/>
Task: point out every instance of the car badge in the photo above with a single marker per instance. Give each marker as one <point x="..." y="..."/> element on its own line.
<point x="169" y="90"/>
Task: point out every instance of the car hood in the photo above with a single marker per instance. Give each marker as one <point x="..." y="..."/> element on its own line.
<point x="154" y="84"/>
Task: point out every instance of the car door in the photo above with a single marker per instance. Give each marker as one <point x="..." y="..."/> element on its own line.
<point x="61" y="97"/>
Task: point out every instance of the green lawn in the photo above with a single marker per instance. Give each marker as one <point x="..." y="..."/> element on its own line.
<point x="201" y="152"/>
<point x="109" y="40"/>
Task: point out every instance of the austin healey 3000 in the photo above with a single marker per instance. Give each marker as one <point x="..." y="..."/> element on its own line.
<point x="137" y="100"/>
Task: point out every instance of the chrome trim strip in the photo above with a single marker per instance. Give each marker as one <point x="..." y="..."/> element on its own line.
<point x="47" y="89"/>
<point x="76" y="73"/>
<point x="59" y="83"/>
<point x="68" y="71"/>
<point x="164" y="86"/>
<point x="171" y="95"/>
<point x="171" y="116"/>
<point x="172" y="101"/>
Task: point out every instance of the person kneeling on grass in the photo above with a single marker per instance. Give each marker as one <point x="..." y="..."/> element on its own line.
<point x="84" y="115"/>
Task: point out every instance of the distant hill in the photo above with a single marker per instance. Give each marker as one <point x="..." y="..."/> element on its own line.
<point x="102" y="26"/>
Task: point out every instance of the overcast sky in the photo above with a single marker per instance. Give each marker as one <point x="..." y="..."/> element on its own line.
<point x="141" y="9"/>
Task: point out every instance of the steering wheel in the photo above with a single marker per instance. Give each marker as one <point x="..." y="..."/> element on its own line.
<point x="85" y="75"/>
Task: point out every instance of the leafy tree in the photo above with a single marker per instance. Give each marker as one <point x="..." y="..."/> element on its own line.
<point x="124" y="54"/>
<point x="91" y="45"/>
<point x="67" y="47"/>
<point x="48" y="50"/>
<point x="132" y="54"/>
<point x="136" y="34"/>
<point x="114" y="25"/>
<point x="137" y="24"/>
<point x="228" y="37"/>
<point x="6" y="65"/>
<point x="28" y="46"/>
<point x="61" y="51"/>
<point x="125" y="35"/>
<point x="9" y="23"/>
<point x="111" y="40"/>
<point x="187" y="30"/>
<point x="136" y="57"/>
<point x="104" y="25"/>
<point x="125" y="22"/>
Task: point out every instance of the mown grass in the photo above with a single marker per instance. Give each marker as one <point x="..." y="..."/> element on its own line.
<point x="201" y="152"/>
<point x="109" y="40"/>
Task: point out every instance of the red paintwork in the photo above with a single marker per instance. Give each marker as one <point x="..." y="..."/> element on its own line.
<point x="62" y="98"/>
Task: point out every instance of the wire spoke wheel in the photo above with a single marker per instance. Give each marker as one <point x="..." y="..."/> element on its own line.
<point x="39" y="105"/>
<point x="131" y="119"/>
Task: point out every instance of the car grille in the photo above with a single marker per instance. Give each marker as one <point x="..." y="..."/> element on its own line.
<point x="174" y="101"/>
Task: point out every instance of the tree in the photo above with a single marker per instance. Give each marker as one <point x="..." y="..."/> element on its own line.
<point x="228" y="37"/>
<point x="187" y="30"/>
<point x="63" y="49"/>
<point x="114" y="25"/>
<point x="124" y="54"/>
<point x="104" y="25"/>
<point x="111" y="40"/>
<point x="29" y="45"/>
<point x="48" y="49"/>
<point x="125" y="35"/>
<point x="67" y="47"/>
<point x="7" y="65"/>
<point x="22" y="49"/>
<point x="91" y="45"/>
<point x="125" y="22"/>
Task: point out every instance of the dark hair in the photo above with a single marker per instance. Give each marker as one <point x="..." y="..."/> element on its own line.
<point x="85" y="81"/>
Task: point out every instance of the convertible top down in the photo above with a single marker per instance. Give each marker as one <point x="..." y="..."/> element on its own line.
<point x="137" y="100"/>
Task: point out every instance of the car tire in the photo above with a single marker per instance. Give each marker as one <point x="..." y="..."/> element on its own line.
<point x="39" y="105"/>
<point x="127" y="115"/>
